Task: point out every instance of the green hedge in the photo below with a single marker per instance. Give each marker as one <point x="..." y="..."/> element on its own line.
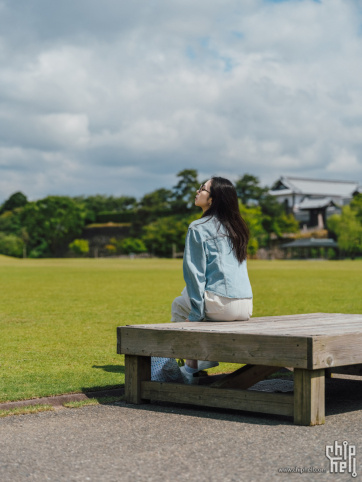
<point x="114" y="217"/>
<point x="129" y="216"/>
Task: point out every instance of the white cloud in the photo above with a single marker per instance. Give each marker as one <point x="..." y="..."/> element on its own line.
<point x="344" y="162"/>
<point x="118" y="97"/>
<point x="65" y="130"/>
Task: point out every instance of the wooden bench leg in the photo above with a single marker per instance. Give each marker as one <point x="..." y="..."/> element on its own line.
<point x="137" y="370"/>
<point x="309" y="397"/>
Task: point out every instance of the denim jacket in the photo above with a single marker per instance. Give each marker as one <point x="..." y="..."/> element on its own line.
<point x="209" y="264"/>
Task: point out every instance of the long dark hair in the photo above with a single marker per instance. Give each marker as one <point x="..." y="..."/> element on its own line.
<point x="225" y="207"/>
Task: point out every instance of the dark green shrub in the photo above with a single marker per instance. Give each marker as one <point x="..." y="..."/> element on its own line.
<point x="40" y="251"/>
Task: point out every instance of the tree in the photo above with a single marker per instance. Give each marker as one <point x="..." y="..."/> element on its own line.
<point x="348" y="229"/>
<point x="10" y="222"/>
<point x="275" y="220"/>
<point x="160" y="235"/>
<point x="253" y="217"/>
<point x="158" y="200"/>
<point x="16" y="200"/>
<point x="100" y="203"/>
<point x="266" y="218"/>
<point x="52" y="223"/>
<point x="248" y="189"/>
<point x="253" y="246"/>
<point x="287" y="224"/>
<point x="11" y="245"/>
<point x="151" y="207"/>
<point x="163" y="202"/>
<point x="185" y="191"/>
<point x="356" y="206"/>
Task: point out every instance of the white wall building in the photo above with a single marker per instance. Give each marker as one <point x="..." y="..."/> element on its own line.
<point x="312" y="201"/>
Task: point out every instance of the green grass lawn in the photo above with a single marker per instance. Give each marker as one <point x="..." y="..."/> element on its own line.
<point x="58" y="317"/>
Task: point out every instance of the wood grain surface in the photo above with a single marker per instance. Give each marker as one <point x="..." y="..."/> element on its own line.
<point x="137" y="369"/>
<point x="295" y="325"/>
<point x="252" y="401"/>
<point x="310" y="341"/>
<point x="309" y="397"/>
<point x="278" y="351"/>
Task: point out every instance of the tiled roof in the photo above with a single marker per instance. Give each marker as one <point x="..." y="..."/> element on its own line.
<point x="311" y="243"/>
<point x="318" y="187"/>
<point x="316" y="203"/>
<point x="281" y="192"/>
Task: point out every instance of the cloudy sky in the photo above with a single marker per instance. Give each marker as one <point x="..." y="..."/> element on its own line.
<point x="117" y="96"/>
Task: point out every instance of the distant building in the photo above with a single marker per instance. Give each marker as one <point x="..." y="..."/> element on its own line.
<point x="312" y="201"/>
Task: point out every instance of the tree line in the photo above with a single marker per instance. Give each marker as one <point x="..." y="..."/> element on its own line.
<point x="52" y="226"/>
<point x="346" y="227"/>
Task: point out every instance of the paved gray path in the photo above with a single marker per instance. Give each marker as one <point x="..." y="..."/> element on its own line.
<point x="160" y="442"/>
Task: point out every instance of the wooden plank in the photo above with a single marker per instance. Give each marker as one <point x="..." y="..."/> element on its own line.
<point x="245" y="377"/>
<point x="292" y="318"/>
<point x="339" y="326"/>
<point x="119" y="333"/>
<point x="252" y="401"/>
<point x="309" y="397"/>
<point x="294" y="321"/>
<point x="331" y="323"/>
<point x="334" y="351"/>
<point x="355" y="370"/>
<point x="137" y="370"/>
<point x="287" y="331"/>
<point x="310" y="324"/>
<point x="278" y="351"/>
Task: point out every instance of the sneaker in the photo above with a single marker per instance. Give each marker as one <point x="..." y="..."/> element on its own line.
<point x="189" y="378"/>
<point x="204" y="365"/>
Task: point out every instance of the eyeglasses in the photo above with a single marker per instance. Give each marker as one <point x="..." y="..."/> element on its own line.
<point x="202" y="188"/>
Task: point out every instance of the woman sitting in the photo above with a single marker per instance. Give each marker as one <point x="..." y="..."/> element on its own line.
<point x="214" y="265"/>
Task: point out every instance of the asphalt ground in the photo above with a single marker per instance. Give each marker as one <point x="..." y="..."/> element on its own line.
<point x="164" y="442"/>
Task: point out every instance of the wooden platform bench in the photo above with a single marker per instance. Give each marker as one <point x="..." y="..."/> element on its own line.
<point x="312" y="344"/>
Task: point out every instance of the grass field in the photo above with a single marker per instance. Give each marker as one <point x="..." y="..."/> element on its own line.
<point x="58" y="318"/>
